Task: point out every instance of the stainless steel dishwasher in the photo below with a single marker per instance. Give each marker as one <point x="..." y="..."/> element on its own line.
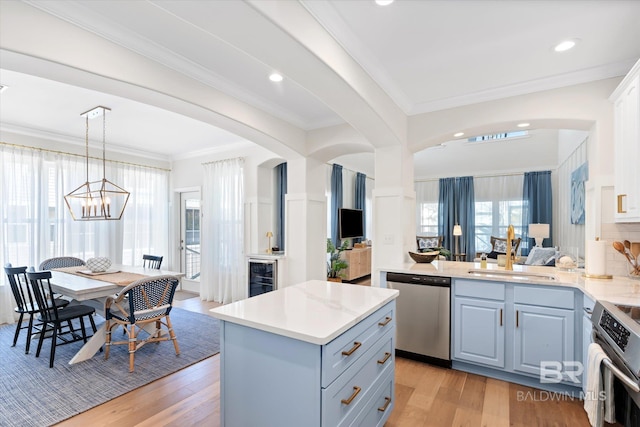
<point x="423" y="317"/>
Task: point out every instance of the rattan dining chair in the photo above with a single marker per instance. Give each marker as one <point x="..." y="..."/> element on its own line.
<point x="53" y="316"/>
<point x="25" y="302"/>
<point x="60" y="262"/>
<point x="140" y="304"/>
<point x="151" y="261"/>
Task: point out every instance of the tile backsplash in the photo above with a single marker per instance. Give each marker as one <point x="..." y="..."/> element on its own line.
<point x="616" y="262"/>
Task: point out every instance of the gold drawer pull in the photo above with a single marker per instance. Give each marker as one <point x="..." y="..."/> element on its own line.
<point x="356" y="345"/>
<point x="386" y="321"/>
<point x="620" y="209"/>
<point x="348" y="401"/>
<point x="387" y="401"/>
<point x="387" y="355"/>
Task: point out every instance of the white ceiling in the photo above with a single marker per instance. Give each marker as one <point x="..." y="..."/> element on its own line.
<point x="425" y="55"/>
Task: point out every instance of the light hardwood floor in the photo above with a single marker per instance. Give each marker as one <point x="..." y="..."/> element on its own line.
<point x="425" y="396"/>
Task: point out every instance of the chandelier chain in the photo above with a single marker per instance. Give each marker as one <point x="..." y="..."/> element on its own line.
<point x="104" y="133"/>
<point x="86" y="143"/>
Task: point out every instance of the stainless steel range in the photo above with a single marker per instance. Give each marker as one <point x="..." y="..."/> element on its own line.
<point x="617" y="330"/>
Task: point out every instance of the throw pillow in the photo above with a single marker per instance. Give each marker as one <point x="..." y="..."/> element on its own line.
<point x="500" y="246"/>
<point x="426" y="242"/>
<point x="494" y="254"/>
<point x="540" y="256"/>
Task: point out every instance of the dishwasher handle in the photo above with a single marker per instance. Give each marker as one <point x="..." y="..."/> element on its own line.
<point x="418" y="279"/>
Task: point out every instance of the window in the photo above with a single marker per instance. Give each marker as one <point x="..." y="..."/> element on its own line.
<point x="499" y="136"/>
<point x="427" y="208"/>
<point x="427" y="219"/>
<point x="493" y="218"/>
<point x="36" y="223"/>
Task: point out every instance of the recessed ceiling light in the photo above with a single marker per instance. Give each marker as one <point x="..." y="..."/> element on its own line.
<point x="384" y="2"/>
<point x="275" y="77"/>
<point x="564" y="45"/>
<point x="524" y="125"/>
<point x="459" y="134"/>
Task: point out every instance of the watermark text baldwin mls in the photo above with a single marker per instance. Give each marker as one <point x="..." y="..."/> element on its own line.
<point x="547" y="396"/>
<point x="554" y="372"/>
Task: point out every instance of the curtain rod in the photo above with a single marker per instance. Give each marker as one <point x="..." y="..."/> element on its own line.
<point x="476" y="176"/>
<point x="81" y="155"/>
<point x="222" y="160"/>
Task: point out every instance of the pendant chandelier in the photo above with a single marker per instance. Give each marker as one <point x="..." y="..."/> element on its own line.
<point x="96" y="200"/>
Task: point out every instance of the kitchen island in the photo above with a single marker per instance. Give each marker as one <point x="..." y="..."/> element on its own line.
<point x="314" y="354"/>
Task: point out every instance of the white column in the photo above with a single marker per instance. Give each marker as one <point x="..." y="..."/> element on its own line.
<point x="394" y="200"/>
<point x="305" y="221"/>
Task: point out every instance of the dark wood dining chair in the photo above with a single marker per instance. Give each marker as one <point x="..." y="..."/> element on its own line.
<point x="25" y="302"/>
<point x="60" y="262"/>
<point x="53" y="316"/>
<point x="143" y="302"/>
<point x="151" y="261"/>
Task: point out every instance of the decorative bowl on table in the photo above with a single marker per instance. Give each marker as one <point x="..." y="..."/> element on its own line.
<point x="98" y="265"/>
<point x="424" y="257"/>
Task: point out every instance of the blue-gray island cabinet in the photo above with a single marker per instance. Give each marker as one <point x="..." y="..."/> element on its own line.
<point x="313" y="354"/>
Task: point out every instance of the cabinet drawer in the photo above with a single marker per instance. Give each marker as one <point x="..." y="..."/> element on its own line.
<point x="355" y="342"/>
<point x="377" y="410"/>
<point x="343" y="400"/>
<point x="479" y="289"/>
<point x="547" y="297"/>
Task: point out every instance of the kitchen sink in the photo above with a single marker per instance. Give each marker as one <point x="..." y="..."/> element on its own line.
<point x="515" y="275"/>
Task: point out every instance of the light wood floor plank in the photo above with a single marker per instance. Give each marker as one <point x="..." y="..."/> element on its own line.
<point x="425" y="395"/>
<point x="495" y="408"/>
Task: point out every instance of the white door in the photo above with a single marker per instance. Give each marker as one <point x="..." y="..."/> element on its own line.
<point x="190" y="240"/>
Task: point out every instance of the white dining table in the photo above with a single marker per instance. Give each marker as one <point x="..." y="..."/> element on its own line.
<point x="94" y="292"/>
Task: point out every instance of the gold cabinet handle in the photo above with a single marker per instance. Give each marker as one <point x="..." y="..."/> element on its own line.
<point x="386" y="321"/>
<point x="356" y="345"/>
<point x="517" y="318"/>
<point x="386" y="357"/>
<point x="500" y="317"/>
<point x="348" y="401"/>
<point x="620" y="210"/>
<point x="387" y="401"/>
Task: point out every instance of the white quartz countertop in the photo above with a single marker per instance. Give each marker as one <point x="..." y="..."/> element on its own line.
<point x="619" y="290"/>
<point x="315" y="311"/>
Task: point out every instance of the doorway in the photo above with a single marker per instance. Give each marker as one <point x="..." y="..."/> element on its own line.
<point x="190" y="239"/>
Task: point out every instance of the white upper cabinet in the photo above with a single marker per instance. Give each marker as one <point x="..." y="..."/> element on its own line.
<point x="626" y="100"/>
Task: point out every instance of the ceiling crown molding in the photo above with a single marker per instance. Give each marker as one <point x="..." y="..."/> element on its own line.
<point x="554" y="82"/>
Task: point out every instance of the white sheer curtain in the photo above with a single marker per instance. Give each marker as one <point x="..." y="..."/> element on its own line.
<point x="145" y="225"/>
<point x="223" y="265"/>
<point x="35" y="223"/>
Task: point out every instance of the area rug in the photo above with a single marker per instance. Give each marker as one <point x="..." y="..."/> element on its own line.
<point x="32" y="394"/>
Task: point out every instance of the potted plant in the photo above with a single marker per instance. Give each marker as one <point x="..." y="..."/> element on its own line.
<point x="335" y="264"/>
<point x="444" y="252"/>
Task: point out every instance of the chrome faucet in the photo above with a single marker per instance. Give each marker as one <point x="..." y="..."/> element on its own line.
<point x="511" y="235"/>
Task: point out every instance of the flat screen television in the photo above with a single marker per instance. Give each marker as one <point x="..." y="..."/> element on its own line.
<point x="351" y="223"/>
